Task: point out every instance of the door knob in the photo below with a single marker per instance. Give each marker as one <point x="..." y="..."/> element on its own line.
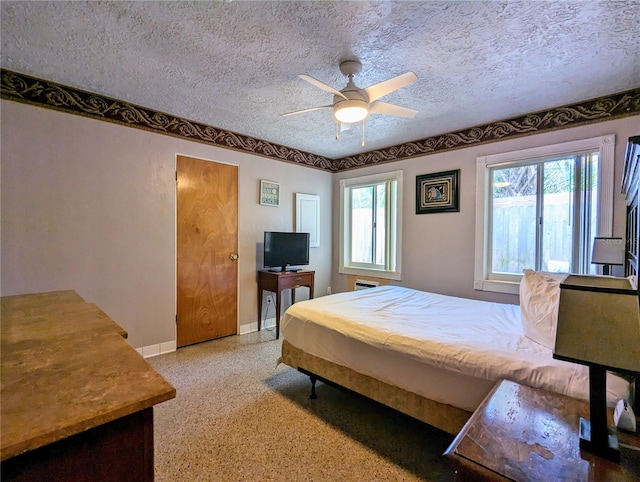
<point x="233" y="256"/>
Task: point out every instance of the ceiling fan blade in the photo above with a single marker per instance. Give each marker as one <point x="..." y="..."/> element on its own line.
<point x="383" y="88"/>
<point x="306" y="110"/>
<point x="321" y="85"/>
<point x="380" y="107"/>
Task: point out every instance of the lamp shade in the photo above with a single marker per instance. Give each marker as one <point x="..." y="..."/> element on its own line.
<point x="599" y="322"/>
<point x="608" y="251"/>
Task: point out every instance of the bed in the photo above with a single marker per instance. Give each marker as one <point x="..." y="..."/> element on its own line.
<point x="431" y="356"/>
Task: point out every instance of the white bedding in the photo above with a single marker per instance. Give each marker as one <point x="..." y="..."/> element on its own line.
<point x="448" y="349"/>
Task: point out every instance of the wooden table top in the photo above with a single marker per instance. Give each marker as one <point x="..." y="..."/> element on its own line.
<point x="66" y="368"/>
<point x="527" y="434"/>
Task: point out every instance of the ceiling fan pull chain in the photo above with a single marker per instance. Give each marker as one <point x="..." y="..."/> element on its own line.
<point x="362" y="134"/>
<point x="337" y="130"/>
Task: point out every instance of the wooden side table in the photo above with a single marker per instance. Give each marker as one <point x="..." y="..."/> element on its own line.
<point x="275" y="282"/>
<point x="524" y="434"/>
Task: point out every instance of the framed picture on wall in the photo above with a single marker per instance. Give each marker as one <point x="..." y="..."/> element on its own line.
<point x="269" y="193"/>
<point x="437" y="192"/>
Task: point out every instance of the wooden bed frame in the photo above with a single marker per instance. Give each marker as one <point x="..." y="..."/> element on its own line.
<point x="440" y="415"/>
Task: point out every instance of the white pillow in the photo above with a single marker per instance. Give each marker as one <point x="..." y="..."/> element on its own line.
<point x="539" y="300"/>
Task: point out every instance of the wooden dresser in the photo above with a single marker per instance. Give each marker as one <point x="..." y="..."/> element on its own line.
<point x="77" y="399"/>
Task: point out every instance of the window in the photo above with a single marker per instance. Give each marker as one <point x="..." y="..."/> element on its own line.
<point x="540" y="209"/>
<point x="370" y="225"/>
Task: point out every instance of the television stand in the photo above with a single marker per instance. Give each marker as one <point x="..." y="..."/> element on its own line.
<point x="277" y="281"/>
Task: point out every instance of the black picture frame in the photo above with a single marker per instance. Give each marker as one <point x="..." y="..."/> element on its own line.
<point x="438" y="192"/>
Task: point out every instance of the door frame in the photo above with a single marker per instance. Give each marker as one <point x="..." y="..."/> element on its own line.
<point x="175" y="239"/>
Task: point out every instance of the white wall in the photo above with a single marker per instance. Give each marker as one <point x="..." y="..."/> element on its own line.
<point x="90" y="206"/>
<point x="438" y="249"/>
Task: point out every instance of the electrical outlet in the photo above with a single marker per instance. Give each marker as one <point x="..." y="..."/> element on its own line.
<point x="269" y="300"/>
<point x="328" y="290"/>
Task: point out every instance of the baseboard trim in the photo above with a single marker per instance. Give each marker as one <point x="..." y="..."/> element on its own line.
<point x="251" y="327"/>
<point x="169" y="346"/>
<point x="159" y="349"/>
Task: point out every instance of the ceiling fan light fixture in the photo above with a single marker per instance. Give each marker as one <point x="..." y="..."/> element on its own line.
<point x="351" y="111"/>
<point x="352" y="105"/>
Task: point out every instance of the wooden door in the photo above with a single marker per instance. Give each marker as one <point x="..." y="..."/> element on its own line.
<point x="207" y="246"/>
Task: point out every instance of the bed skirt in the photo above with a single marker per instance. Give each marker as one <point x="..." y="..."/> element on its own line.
<point x="440" y="415"/>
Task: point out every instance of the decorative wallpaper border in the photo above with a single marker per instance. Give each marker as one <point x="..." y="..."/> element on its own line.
<point x="600" y="109"/>
<point x="30" y="90"/>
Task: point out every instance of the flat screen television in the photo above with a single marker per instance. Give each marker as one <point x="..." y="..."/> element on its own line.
<point x="282" y="250"/>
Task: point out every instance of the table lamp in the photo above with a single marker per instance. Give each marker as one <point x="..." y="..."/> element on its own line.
<point x="607" y="252"/>
<point x="599" y="326"/>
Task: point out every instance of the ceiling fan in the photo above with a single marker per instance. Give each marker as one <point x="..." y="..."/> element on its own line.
<point x="353" y="104"/>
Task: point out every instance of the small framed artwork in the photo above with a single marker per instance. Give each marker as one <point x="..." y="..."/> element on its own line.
<point x="269" y="193"/>
<point x="437" y="192"/>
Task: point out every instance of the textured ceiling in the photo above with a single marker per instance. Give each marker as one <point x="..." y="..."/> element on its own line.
<point x="234" y="64"/>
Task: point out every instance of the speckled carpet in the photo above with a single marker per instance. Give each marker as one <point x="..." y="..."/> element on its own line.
<point x="238" y="417"/>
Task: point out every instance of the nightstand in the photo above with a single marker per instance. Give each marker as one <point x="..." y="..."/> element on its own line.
<point x="276" y="281"/>
<point x="524" y="434"/>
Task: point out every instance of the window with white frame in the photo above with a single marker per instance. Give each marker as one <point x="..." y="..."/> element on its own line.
<point x="540" y="209"/>
<point x="370" y="225"/>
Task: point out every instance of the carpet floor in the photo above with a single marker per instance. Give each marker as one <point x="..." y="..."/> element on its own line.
<point x="239" y="417"/>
